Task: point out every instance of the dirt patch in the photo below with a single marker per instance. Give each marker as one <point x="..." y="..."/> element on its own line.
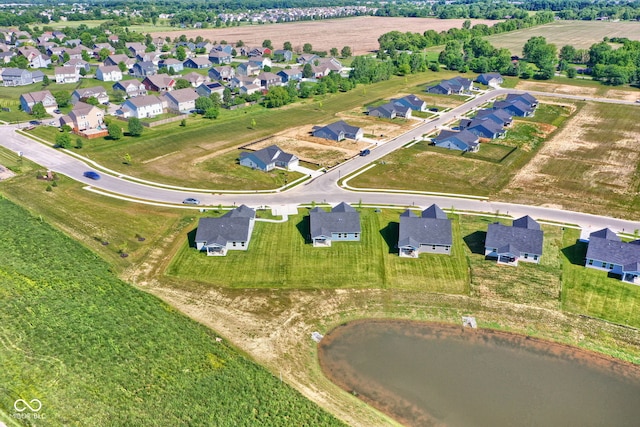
<point x="5" y="173"/>
<point x="360" y="33"/>
<point x="557" y="88"/>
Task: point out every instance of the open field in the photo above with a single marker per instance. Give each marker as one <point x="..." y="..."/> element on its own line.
<point x="580" y="34"/>
<point x="360" y="33"/>
<point x="281" y="256"/>
<point x="580" y="87"/>
<point x="96" y="351"/>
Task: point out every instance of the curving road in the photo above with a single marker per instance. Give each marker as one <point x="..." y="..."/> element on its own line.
<point x="321" y="189"/>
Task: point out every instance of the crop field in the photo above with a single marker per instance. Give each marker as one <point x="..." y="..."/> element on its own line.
<point x="591" y="165"/>
<point x="96" y="351"/>
<point x="580" y="34"/>
<point x="281" y="256"/>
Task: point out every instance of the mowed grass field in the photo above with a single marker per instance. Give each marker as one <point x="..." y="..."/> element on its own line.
<point x="423" y="167"/>
<point x="579" y="34"/>
<point x="281" y="256"/>
<point x="96" y="351"/>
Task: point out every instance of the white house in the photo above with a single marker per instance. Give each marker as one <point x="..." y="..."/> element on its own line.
<point x="142" y="107"/>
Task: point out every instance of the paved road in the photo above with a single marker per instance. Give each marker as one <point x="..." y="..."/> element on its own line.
<point x="321" y="189"/>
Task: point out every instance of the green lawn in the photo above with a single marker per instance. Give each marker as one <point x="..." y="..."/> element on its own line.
<point x="279" y="257"/>
<point x="96" y="351"/>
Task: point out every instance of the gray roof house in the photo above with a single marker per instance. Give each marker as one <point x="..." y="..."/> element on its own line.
<point x="428" y="233"/>
<point x="502" y="117"/>
<point x="230" y="232"/>
<point x="132" y="88"/>
<point x="521" y="105"/>
<point x="342" y="223"/>
<point x="286" y="55"/>
<point x="224" y="72"/>
<point x="145" y="68"/>
<point x="219" y="57"/>
<point x="484" y="128"/>
<point x="490" y="79"/>
<point x="181" y="100"/>
<point x="206" y="89"/>
<point x="463" y="140"/>
<point x="412" y="102"/>
<point x="522" y="241"/>
<point x="16" y="77"/>
<point x="390" y="110"/>
<point x="29" y="99"/>
<point x="198" y="62"/>
<point x="268" y="158"/>
<point x="268" y="80"/>
<point x="97" y="92"/>
<point x="290" y="74"/>
<point x="171" y="63"/>
<point x="608" y="253"/>
<point x="338" y="131"/>
<point x="456" y="85"/>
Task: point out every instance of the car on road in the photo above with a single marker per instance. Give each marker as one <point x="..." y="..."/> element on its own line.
<point x="92" y="175"/>
<point x="191" y="201"/>
<point x="365" y="152"/>
<point x="34" y="122"/>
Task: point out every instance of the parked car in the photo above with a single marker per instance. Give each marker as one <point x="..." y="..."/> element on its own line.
<point x="92" y="175"/>
<point x="191" y="201"/>
<point x="56" y="111"/>
<point x="365" y="152"/>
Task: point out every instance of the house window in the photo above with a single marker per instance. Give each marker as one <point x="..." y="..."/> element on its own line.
<point x="355" y="235"/>
<point x="535" y="257"/>
<point x="234" y="244"/>
<point x="526" y="256"/>
<point x="590" y="262"/>
<point x="433" y="248"/>
<point x="610" y="266"/>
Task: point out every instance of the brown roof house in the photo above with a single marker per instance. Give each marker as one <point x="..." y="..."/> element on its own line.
<point x="181" y="100"/>
<point x="29" y="99"/>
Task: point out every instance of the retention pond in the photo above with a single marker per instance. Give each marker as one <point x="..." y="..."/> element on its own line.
<point x="424" y="374"/>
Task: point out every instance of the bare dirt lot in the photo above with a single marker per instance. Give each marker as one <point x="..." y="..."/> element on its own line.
<point x="627" y="94"/>
<point x="360" y="33"/>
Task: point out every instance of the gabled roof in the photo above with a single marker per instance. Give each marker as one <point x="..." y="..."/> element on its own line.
<point x="340" y="126"/>
<point x="431" y="228"/>
<point x="483" y="127"/>
<point x="499" y="116"/>
<point x="66" y="70"/>
<point x="199" y="61"/>
<point x="35" y="97"/>
<point x="144" y="101"/>
<point x="342" y="219"/>
<point x="127" y="83"/>
<point x="182" y="95"/>
<point x="269" y="155"/>
<point x="82" y="109"/>
<point x="234" y="226"/>
<point x="214" y="53"/>
<point x="605" y="233"/>
<point x="91" y="91"/>
<point x="606" y="246"/>
<point x="411" y="100"/>
<point x="266" y="76"/>
<point x="523" y="238"/>
<point x="463" y="138"/>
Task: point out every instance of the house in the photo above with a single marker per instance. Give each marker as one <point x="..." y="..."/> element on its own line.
<point x="117" y="59"/>
<point x="411" y="101"/>
<point x="282" y="55"/>
<point x="490" y="79"/>
<point x="219" y="57"/>
<point x="143" y="69"/>
<point x="142" y="107"/>
<point x="463" y="140"/>
<point x="456" y="85"/>
<point x="97" y="92"/>
<point x="16" y="77"/>
<point x="131" y="88"/>
<point x="181" y="100"/>
<point x="98" y="47"/>
<point x="291" y="74"/>
<point x="44" y="97"/>
<point x="159" y="83"/>
<point x="226" y="48"/>
<point x="239" y="81"/>
<point x="76" y="52"/>
<point x="148" y="57"/>
<point x="230" y="232"/>
<point x="136" y="48"/>
<point x="80" y="64"/>
<point x="6" y="57"/>
<point x="205" y="46"/>
<point x="307" y="58"/>
<point x="428" y="233"/>
<point x="206" y="89"/>
<point x="109" y="73"/>
<point x="259" y="51"/>
<point x="198" y="62"/>
<point x="268" y="80"/>
<point x="249" y="89"/>
<point x="171" y="63"/>
<point x="268" y="158"/>
<point x="338" y="131"/>
<point x="260" y="62"/>
<point x="248" y="69"/>
<point x="607" y="252"/>
<point x="342" y="223"/>
<point x="224" y="73"/>
<point x="522" y="241"/>
<point x="83" y="117"/>
<point x="501" y="117"/>
<point x="196" y="79"/>
<point x="484" y="127"/>
<point x="390" y="111"/>
<point x="520" y="105"/>
<point x="67" y="75"/>
<point x="40" y="61"/>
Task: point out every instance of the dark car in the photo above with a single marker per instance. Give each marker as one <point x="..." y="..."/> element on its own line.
<point x="191" y="201"/>
<point x="92" y="175"/>
<point x="56" y="111"/>
<point x="365" y="152"/>
<point x="34" y="122"/>
<point x="435" y="110"/>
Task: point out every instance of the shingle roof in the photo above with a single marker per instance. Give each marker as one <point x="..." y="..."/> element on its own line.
<point x="431" y="228"/>
<point x="234" y="226"/>
<point x="35" y="97"/>
<point x="269" y="155"/>
<point x="342" y="219"/>
<point x="605" y="245"/>
<point x="183" y="95"/>
<point x="525" y="237"/>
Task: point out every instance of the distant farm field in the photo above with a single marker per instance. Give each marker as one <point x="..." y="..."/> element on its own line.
<point x="360" y="33"/>
<point x="580" y="34"/>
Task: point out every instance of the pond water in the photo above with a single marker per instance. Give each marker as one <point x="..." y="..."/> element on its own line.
<point x="424" y="374"/>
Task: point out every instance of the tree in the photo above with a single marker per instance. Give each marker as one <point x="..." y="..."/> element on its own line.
<point x="267" y="43"/>
<point x="135" y="127"/>
<point x="63" y="140"/>
<point x="307" y="48"/>
<point x="567" y="53"/>
<point x="38" y="111"/>
<point x="571" y="72"/>
<point x="537" y="51"/>
<point x="122" y="66"/>
<point x="115" y="131"/>
<point x="287" y="46"/>
<point x="181" y="53"/>
<point x="333" y="51"/>
<point x="226" y="96"/>
<point x="117" y="96"/>
<point x="239" y="43"/>
<point x="307" y="71"/>
<point x="182" y="84"/>
<point x="211" y="113"/>
<point x="452" y="56"/>
<point x="345" y="52"/>
<point x="92" y="100"/>
<point x="45" y="81"/>
<point x="63" y="98"/>
<point x="203" y="103"/>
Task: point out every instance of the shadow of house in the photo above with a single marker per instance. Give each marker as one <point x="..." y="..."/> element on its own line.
<point x="475" y="241"/>
<point x="390" y="235"/>
<point x="304" y="228"/>
<point x="575" y="253"/>
<point x="191" y="237"/>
